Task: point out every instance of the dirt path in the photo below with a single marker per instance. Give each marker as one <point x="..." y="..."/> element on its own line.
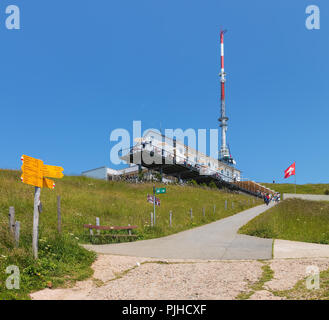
<point x="122" y="277"/>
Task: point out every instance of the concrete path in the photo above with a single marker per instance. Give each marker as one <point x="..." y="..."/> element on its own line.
<point x="295" y="249"/>
<point x="311" y="197"/>
<point x="215" y="241"/>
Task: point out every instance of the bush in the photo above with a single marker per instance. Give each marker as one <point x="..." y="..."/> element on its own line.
<point x="140" y="176"/>
<point x="193" y="183"/>
<point x="212" y="185"/>
<point x="326" y="192"/>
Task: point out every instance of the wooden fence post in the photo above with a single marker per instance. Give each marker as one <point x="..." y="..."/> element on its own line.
<point x="191" y="213"/>
<point x="98" y="224"/>
<point x="151" y="219"/>
<point x="232" y="205"/>
<point x="11" y="219"/>
<point x="170" y="218"/>
<point x="203" y="212"/>
<point x="225" y="204"/>
<point x="59" y="216"/>
<point x="35" y="237"/>
<point x="214" y="208"/>
<point x="17" y="232"/>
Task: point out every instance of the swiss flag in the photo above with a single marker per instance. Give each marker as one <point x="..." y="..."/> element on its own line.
<point x="290" y="171"/>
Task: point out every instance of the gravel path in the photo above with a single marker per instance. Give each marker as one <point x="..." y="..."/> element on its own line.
<point x="214" y="263"/>
<point x="122" y="277"/>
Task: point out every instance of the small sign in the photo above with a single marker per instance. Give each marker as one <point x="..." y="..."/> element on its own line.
<point x="150" y="199"/>
<point x="32" y="171"/>
<point x="32" y="180"/>
<point x="47" y="183"/>
<point x="160" y="190"/>
<point x="53" y="171"/>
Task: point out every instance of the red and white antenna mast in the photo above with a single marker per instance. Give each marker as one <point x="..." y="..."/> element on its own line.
<point x="224" y="153"/>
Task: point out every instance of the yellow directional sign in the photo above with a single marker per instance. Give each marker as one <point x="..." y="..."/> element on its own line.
<point x="47" y="183"/>
<point x="53" y="171"/>
<point x="32" y="180"/>
<point x="34" y="173"/>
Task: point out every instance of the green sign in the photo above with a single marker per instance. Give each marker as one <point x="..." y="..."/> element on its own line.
<point x="160" y="190"/>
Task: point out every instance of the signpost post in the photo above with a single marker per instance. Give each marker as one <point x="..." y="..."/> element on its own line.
<point x="155" y="201"/>
<point x="35" y="173"/>
<point x="154" y="205"/>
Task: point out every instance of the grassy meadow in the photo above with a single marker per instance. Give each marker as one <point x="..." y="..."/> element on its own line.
<point x="292" y="219"/>
<point x="320" y="188"/>
<point x="61" y="259"/>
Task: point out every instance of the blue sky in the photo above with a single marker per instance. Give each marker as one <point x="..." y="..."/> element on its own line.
<point x="79" y="69"/>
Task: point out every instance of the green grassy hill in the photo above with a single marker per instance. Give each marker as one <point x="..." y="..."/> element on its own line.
<point x="83" y="199"/>
<point x="292" y="219"/>
<point x="319" y="188"/>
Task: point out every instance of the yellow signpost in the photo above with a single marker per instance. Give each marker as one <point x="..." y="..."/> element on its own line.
<point x="35" y="173"/>
<point x="47" y="183"/>
<point x="32" y="171"/>
<point x="53" y="171"/>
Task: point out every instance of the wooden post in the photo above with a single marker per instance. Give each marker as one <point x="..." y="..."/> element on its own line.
<point x="17" y="232"/>
<point x="97" y="224"/>
<point x="11" y="219"/>
<point x="232" y="205"/>
<point x="154" y="218"/>
<point x="129" y="230"/>
<point x="225" y="204"/>
<point x="214" y="208"/>
<point x="203" y="212"/>
<point x="59" y="216"/>
<point x="170" y="218"/>
<point x="191" y="213"/>
<point x="35" y="236"/>
<point x="151" y="219"/>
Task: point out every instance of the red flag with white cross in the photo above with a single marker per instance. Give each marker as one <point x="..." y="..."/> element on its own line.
<point x="291" y="171"/>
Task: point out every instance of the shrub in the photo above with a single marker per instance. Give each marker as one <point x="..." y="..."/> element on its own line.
<point x="212" y="185"/>
<point x="193" y="183"/>
<point x="326" y="192"/>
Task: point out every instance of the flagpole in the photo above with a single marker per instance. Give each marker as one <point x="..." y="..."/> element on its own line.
<point x="295" y="184"/>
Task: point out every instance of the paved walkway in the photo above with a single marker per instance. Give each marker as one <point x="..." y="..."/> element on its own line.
<point x="294" y="249"/>
<point x="310" y="197"/>
<point x="215" y="241"/>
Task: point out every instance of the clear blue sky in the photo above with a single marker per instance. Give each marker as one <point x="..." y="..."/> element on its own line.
<point x="79" y="69"/>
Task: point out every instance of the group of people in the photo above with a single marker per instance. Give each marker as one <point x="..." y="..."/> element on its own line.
<point x="268" y="197"/>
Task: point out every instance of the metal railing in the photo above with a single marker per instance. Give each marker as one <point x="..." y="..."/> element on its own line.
<point x="172" y="158"/>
